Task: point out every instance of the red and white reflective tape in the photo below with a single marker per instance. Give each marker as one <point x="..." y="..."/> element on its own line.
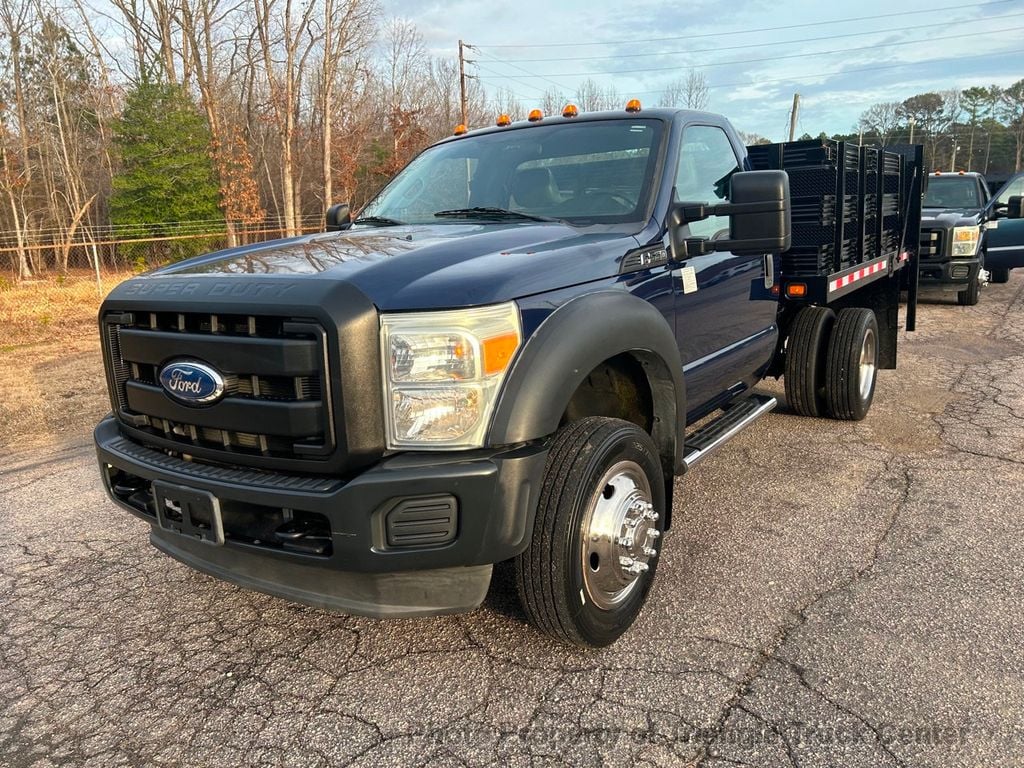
<point x="859" y="274"/>
<point x="904" y="256"/>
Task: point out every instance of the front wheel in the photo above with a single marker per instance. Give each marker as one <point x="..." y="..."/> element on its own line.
<point x="968" y="297"/>
<point x="596" y="534"/>
<point x="999" y="275"/>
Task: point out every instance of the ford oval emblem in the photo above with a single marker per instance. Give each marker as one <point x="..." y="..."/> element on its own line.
<point x="192" y="382"/>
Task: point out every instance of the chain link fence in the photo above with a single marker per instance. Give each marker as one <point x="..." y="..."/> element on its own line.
<point x="68" y="281"/>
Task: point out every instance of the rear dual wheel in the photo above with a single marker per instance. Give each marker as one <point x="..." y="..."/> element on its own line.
<point x="832" y="362"/>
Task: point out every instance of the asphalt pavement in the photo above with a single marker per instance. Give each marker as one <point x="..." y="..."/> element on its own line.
<point x="831" y="594"/>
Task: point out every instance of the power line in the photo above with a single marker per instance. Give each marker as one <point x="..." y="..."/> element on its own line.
<point x="797" y="83"/>
<point x="521" y="69"/>
<point x="757" y="30"/>
<point x="744" y="46"/>
<point x="776" y="58"/>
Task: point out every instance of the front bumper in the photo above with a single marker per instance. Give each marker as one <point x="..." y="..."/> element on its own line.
<point x="360" y="568"/>
<point x="954" y="273"/>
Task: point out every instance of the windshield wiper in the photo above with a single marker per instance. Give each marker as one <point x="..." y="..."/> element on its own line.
<point x="481" y="212"/>
<point x="380" y="221"/>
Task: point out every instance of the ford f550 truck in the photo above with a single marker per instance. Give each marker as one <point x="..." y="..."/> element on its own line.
<point x="509" y="354"/>
<point x="952" y="233"/>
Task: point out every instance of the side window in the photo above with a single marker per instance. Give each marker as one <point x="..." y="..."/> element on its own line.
<point x="1015" y="187"/>
<point x="706" y="163"/>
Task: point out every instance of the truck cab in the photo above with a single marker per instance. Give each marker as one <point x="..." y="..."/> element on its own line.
<point x="508" y="354"/>
<point x="952" y="218"/>
<point x="1004" y="236"/>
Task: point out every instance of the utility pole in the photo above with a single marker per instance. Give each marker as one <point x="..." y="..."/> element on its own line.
<point x="462" y="82"/>
<point x="792" y="116"/>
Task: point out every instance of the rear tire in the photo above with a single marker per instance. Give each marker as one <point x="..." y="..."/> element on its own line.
<point x="968" y="297"/>
<point x="806" y="357"/>
<point x="999" y="275"/>
<point x="602" y="486"/>
<point x="852" y="364"/>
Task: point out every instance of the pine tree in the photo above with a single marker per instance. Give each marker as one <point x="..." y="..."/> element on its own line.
<point x="166" y="173"/>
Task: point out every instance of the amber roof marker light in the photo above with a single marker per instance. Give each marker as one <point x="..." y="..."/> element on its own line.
<point x="535" y="116"/>
<point x="570" y="110"/>
<point x="633" y="105"/>
<point x="503" y="121"/>
<point x="459" y="130"/>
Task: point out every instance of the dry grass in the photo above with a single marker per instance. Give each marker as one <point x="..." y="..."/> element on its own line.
<point x="52" y="386"/>
<point x="38" y="310"/>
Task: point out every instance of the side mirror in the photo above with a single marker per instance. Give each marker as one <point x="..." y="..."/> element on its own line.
<point x="338" y="217"/>
<point x="759" y="217"/>
<point x="1015" y="207"/>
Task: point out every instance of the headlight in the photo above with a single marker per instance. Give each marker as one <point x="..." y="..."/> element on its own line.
<point x="443" y="372"/>
<point x="965" y="240"/>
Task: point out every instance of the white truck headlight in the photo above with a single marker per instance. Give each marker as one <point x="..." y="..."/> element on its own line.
<point x="443" y="372"/>
<point x="965" y="240"/>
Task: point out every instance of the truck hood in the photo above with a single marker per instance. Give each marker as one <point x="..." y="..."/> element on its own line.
<point x="430" y="266"/>
<point x="950" y="217"/>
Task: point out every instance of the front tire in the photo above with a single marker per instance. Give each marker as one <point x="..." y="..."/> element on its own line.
<point x="968" y="297"/>
<point x="596" y="535"/>
<point x="999" y="275"/>
<point x="852" y="364"/>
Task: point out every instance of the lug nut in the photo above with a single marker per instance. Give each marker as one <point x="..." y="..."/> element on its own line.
<point x="650" y="551"/>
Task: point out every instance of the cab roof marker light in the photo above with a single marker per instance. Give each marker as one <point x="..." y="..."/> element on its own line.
<point x="503" y="121"/>
<point x="535" y="116"/>
<point x="570" y="110"/>
<point x="633" y="105"/>
<point x="459" y="130"/>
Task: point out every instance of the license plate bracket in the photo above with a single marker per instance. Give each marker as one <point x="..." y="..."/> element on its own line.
<point x="189" y="512"/>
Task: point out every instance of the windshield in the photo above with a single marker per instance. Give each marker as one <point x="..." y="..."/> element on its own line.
<point x="591" y="172"/>
<point x="952" y="192"/>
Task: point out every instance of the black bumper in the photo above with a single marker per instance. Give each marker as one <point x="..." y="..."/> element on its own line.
<point x="955" y="273"/>
<point x="361" y="567"/>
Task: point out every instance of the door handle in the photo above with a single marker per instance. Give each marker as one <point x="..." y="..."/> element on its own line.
<point x="769" y="271"/>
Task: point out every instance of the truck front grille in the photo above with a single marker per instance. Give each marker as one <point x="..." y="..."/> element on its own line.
<point x="276" y="401"/>
<point x="932" y="243"/>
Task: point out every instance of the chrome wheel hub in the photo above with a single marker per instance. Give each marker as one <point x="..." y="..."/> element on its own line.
<point x="868" y="361"/>
<point x="619" y="535"/>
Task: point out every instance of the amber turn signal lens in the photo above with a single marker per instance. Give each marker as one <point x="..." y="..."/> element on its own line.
<point x="796" y="290"/>
<point x="570" y="110"/>
<point x="498" y="351"/>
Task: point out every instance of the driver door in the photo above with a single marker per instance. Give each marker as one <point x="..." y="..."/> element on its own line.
<point x="1004" y="240"/>
<point x="725" y="315"/>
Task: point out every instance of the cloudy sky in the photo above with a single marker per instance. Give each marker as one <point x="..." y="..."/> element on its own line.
<point x="754" y="54"/>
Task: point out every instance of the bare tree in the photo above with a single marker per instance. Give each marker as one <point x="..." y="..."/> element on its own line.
<point x="881" y="121"/>
<point x="690" y="92"/>
<point x="287" y="37"/>
<point x="1012" y="111"/>
<point x="347" y="31"/>
<point x="591" y="97"/>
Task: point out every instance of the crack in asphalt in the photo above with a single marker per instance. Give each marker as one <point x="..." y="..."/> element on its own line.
<point x="111" y="654"/>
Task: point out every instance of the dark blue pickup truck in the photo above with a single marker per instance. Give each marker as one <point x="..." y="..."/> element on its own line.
<point x="509" y="354"/>
<point x="1004" y="236"/>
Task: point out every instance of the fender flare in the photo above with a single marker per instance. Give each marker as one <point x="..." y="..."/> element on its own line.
<point x="570" y="343"/>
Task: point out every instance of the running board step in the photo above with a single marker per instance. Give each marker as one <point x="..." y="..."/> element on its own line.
<point x="717" y="433"/>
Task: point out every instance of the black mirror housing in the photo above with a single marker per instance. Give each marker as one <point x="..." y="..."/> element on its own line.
<point x="759" y="217"/>
<point x="769" y="231"/>
<point x="338" y="217"/>
<point x="1015" y="207"/>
